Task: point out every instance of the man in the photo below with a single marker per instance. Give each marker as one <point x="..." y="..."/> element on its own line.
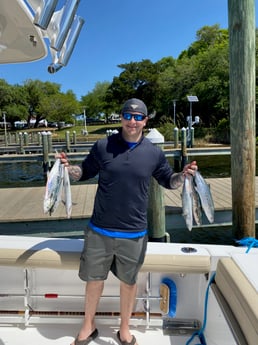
<point x="116" y="237"/>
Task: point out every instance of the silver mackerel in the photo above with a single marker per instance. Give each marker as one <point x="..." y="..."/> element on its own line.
<point x="205" y="196"/>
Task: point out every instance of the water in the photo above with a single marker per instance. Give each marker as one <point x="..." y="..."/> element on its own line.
<point x="222" y="235"/>
<point x="21" y="174"/>
<point x="30" y="174"/>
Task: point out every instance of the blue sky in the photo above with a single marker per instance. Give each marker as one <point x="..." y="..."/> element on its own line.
<point x="122" y="31"/>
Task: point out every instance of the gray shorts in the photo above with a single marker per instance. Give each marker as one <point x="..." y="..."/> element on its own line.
<point x="122" y="256"/>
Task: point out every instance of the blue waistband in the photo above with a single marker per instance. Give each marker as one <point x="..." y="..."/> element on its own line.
<point x="119" y="234"/>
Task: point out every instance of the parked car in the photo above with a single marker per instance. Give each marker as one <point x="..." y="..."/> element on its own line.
<point x="92" y="121"/>
<point x="53" y="124"/>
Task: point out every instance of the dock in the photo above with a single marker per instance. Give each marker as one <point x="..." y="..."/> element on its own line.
<point x="21" y="213"/>
<point x="26" y="204"/>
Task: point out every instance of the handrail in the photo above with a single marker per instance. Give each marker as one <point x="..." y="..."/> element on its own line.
<point x="78" y="152"/>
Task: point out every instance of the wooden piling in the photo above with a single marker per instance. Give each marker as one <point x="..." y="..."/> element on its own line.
<point x="49" y="142"/>
<point x="176" y="137"/>
<point x="183" y="148"/>
<point x="192" y="137"/>
<point x="156" y="213"/>
<point x="156" y="205"/>
<point x="45" y="155"/>
<point x="74" y="138"/>
<point x="39" y="138"/>
<point x="67" y="140"/>
<point x="26" y="138"/>
<point x="176" y="159"/>
<point x="21" y="142"/>
<point x="242" y="115"/>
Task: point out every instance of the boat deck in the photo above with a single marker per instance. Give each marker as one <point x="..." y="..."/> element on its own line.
<point x="59" y="319"/>
<point x="26" y="204"/>
<point x="61" y="335"/>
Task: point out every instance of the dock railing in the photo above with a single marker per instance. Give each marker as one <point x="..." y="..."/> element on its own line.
<point x="42" y="148"/>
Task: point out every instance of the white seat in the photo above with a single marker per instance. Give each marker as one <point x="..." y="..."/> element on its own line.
<point x="60" y="253"/>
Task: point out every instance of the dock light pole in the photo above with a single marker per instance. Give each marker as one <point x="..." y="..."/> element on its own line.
<point x="191" y="99"/>
<point x="174" y="105"/>
<point x="85" y="122"/>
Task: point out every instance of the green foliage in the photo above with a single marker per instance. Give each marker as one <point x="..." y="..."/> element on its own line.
<point x="202" y="70"/>
<point x="95" y="102"/>
<point x="58" y="107"/>
<point x="222" y="131"/>
<point x="167" y="130"/>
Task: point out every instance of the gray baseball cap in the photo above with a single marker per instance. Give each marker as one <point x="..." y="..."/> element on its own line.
<point x="135" y="104"/>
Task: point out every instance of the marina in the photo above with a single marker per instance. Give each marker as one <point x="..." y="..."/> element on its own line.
<point x="29" y="218"/>
<point x="187" y="293"/>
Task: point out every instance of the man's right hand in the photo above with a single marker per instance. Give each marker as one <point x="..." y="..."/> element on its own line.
<point x="63" y="158"/>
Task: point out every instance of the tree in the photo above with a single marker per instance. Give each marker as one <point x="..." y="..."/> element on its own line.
<point x="59" y="107"/>
<point x="95" y="102"/>
<point x="37" y="91"/>
<point x="201" y="70"/>
<point x="5" y="95"/>
<point x="18" y="105"/>
<point x="138" y="79"/>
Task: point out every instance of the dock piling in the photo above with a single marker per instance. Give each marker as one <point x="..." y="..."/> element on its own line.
<point x="242" y="33"/>
<point x="67" y="140"/>
<point x="156" y="206"/>
<point x="45" y="154"/>
<point x="183" y="148"/>
<point x="21" y="142"/>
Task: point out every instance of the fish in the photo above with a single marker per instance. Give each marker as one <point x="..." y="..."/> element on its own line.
<point x="67" y="193"/>
<point x="197" y="208"/>
<point x="187" y="201"/>
<point x="54" y="187"/>
<point x="205" y="196"/>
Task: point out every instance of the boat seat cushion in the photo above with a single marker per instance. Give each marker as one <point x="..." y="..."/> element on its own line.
<point x="237" y="280"/>
<point x="176" y="258"/>
<point x="65" y="254"/>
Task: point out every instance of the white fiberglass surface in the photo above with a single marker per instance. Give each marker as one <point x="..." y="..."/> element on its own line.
<point x="64" y="334"/>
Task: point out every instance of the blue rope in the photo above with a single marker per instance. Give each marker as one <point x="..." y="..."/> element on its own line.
<point x="249" y="242"/>
<point x="200" y="333"/>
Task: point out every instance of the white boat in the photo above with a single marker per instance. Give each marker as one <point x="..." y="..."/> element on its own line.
<point x="42" y="298"/>
<point x="187" y="294"/>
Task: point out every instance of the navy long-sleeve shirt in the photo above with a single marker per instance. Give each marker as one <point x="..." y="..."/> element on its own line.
<point x="124" y="176"/>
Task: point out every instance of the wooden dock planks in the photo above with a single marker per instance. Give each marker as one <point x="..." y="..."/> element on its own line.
<point x="26" y="204"/>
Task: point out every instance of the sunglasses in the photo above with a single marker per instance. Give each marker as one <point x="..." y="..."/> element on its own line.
<point x="137" y="117"/>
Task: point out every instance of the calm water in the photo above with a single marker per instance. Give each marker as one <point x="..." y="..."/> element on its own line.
<point x="31" y="174"/>
<point x="21" y="174"/>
